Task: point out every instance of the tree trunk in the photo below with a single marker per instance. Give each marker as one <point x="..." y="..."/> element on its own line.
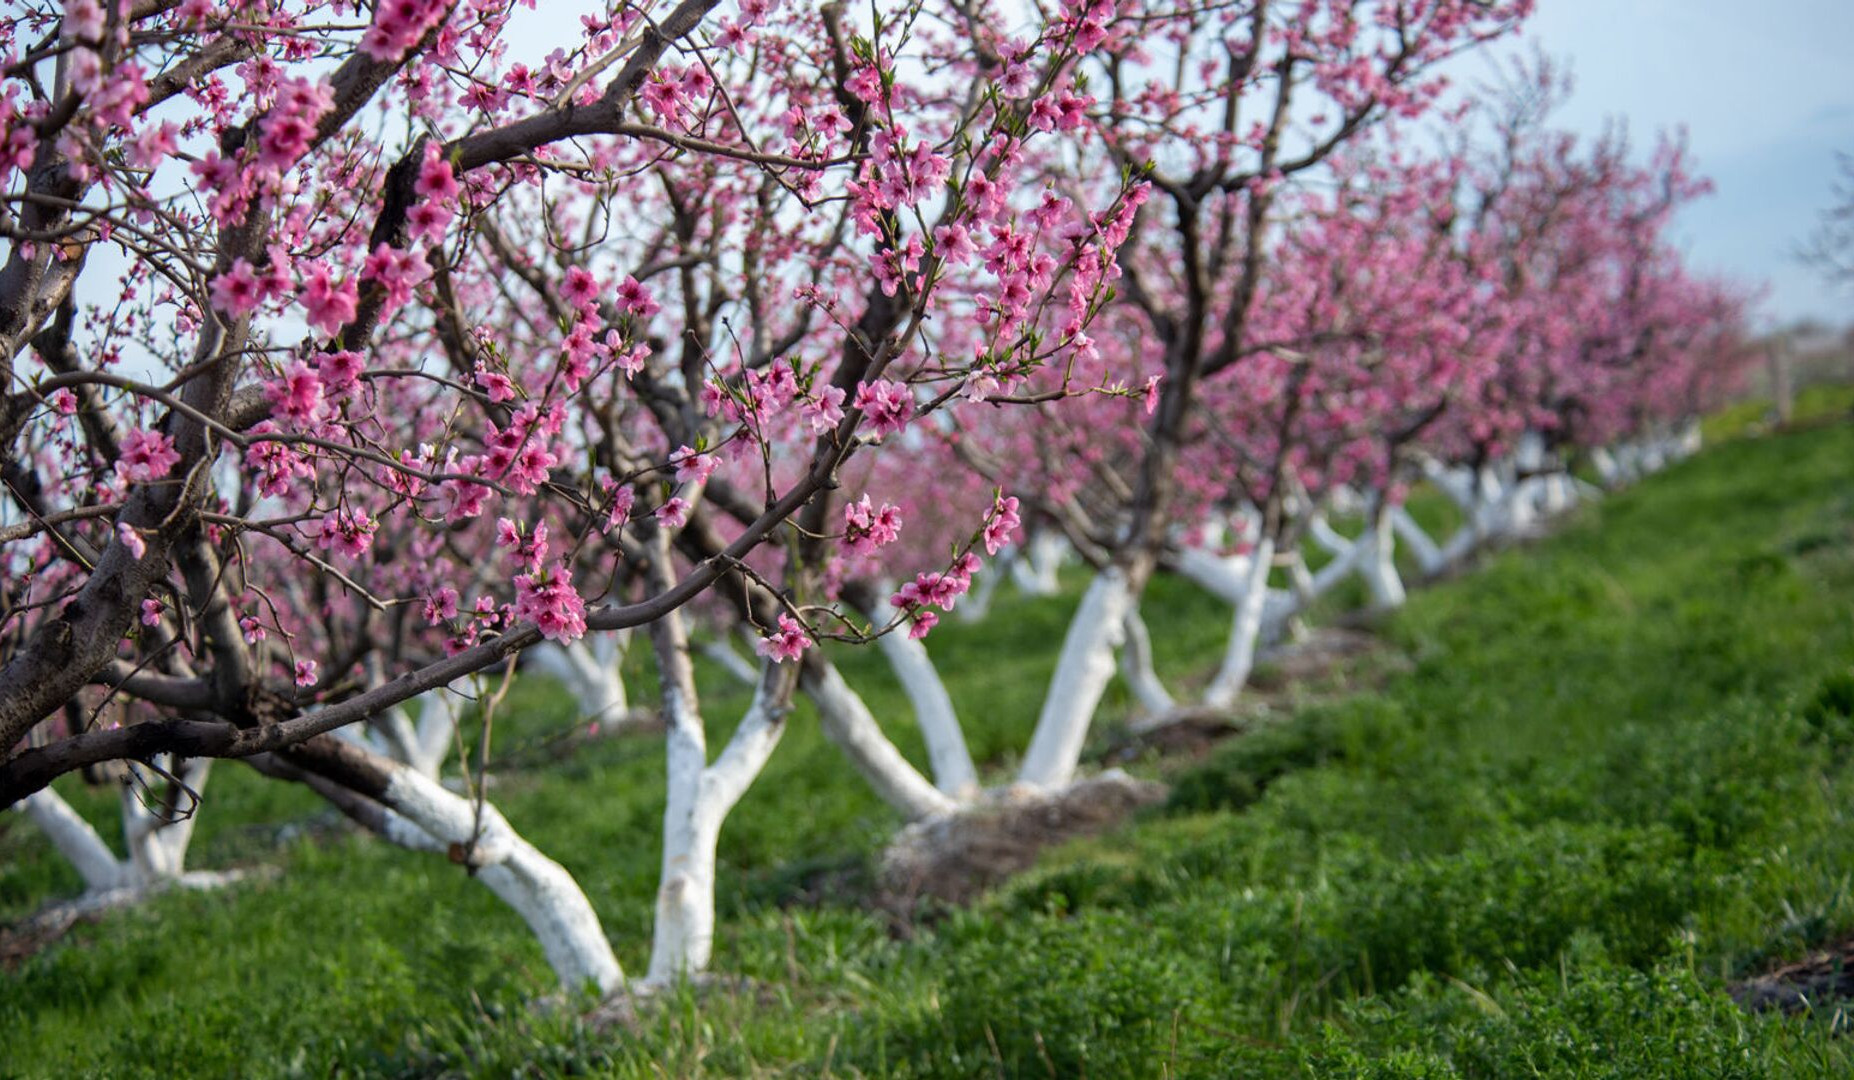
<point x="847" y="723"/>
<point x="1378" y="564"/>
<point x="1136" y="668"/>
<point x="722" y="651"/>
<point x="1035" y="568"/>
<point x="592" y="677"/>
<point x="157" y="844"/>
<point x="1428" y="556"/>
<point x="540" y="890"/>
<point x="74" y="838"/>
<point x="1082" y="672"/>
<point x="700" y="796"/>
<point x="947" y="753"/>
<point x="1245" y="628"/>
<point x="1221" y="576"/>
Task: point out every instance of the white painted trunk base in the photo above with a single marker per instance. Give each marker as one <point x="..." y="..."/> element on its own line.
<point x="1136" y="668"/>
<point x="1245" y="628"/>
<point x="947" y="753"/>
<point x="1082" y="673"/>
<point x="156" y="846"/>
<point x="429" y="817"/>
<point x="847" y="722"/>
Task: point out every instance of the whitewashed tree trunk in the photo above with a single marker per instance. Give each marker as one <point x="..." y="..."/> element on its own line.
<point x="156" y="840"/>
<point x="1329" y="539"/>
<point x="1428" y="556"/>
<point x="1378" y="563"/>
<point x="425" y="744"/>
<point x="847" y="722"/>
<point x="1035" y="568"/>
<point x="1136" y="668"/>
<point x="1608" y="471"/>
<point x="1083" y="670"/>
<point x="721" y="650"/>
<point x="947" y="753"/>
<point x="1556" y="495"/>
<point x="1222" y="576"/>
<point x="157" y="845"/>
<point x="425" y="816"/>
<point x="590" y="669"/>
<point x="1245" y="629"/>
<point x="74" y="839"/>
<point x="700" y="797"/>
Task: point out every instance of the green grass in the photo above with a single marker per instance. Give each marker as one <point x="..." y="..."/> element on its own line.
<point x="1615" y="776"/>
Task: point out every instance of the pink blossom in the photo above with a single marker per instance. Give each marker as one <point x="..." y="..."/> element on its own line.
<point x="692" y="467"/>
<point x="347" y="531"/>
<point x="64" y="401"/>
<point x="131" y="539"/>
<point x="440" y="605"/>
<point x="498" y="385"/>
<point x="824" y="414"/>
<point x="151" y="611"/>
<point x="789" y="643"/>
<point x="921" y="623"/>
<point x="887" y="404"/>
<point x="398" y="272"/>
<point x="328" y="305"/>
<point x="147" y="456"/>
<point x="436" y="179"/>
<point x="1002" y="524"/>
<point x="551" y="603"/>
<point x="398" y="25"/>
<point x="252" y="629"/>
<point x="865" y="528"/>
<point x="674" y="513"/>
<point x="619" y="511"/>
<point x="580" y="289"/>
<point x="339" y="371"/>
<point x="237" y="292"/>
<point x="1152" y="394"/>
<point x="635" y="299"/>
<point x="305" y="672"/>
<point x="297" y="395"/>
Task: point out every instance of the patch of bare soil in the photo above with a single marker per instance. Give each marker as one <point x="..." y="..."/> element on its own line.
<point x="956" y="858"/>
<point x="1823" y="979"/>
<point x="24" y="939"/>
<point x="1332" y="661"/>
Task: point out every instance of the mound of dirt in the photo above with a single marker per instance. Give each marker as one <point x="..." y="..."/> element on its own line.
<point x="954" y="859"/>
<point x="1824" y="978"/>
<point x="1324" y="654"/>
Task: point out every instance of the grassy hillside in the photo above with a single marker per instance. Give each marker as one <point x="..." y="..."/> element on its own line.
<point x="1612" y="776"/>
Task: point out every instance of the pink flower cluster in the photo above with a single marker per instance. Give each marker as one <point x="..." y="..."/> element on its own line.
<point x="866" y="528"/>
<point x="934" y="590"/>
<point x="347" y="531"/>
<point x="398" y="25"/>
<point x="1002" y="525"/>
<point x="549" y="600"/>
<point x="888" y="405"/>
<point x="789" y="643"/>
<point x="146" y="456"/>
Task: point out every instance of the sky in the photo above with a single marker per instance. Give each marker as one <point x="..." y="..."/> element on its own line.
<point x="1766" y="91"/>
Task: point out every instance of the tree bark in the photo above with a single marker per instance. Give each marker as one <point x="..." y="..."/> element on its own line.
<point x="847" y="723"/>
<point x="1245" y="629"/>
<point x="1083" y="670"/>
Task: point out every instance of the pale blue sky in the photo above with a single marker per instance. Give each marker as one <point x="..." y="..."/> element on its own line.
<point x="1765" y="89"/>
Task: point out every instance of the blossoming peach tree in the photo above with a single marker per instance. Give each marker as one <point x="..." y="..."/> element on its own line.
<point x="347" y="356"/>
